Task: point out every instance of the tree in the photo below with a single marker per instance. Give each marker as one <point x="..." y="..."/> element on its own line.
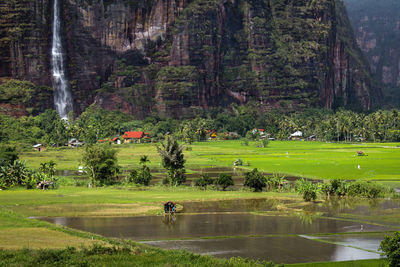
<point x="8" y="155"/>
<point x="224" y="180"/>
<point x="49" y="168"/>
<point x="173" y="160"/>
<point x="307" y="189"/>
<point x="255" y="180"/>
<point x="102" y="163"/>
<point x="391" y="247"/>
<point x="204" y="180"/>
<point x="142" y="176"/>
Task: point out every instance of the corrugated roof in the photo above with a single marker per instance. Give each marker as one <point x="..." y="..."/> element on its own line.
<point x="136" y="135"/>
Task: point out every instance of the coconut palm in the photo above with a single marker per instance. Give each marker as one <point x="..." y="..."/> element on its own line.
<point x="173" y="160"/>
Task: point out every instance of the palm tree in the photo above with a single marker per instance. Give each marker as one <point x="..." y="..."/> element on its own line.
<point x="173" y="160"/>
<point x="143" y="160"/>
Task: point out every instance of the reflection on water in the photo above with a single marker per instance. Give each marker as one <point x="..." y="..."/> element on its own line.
<point x="235" y="205"/>
<point x="373" y="210"/>
<point x="186" y="226"/>
<point x="285" y="249"/>
<point x="365" y="241"/>
<point x="285" y="239"/>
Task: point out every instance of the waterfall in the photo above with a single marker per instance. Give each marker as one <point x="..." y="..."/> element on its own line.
<point x="62" y="94"/>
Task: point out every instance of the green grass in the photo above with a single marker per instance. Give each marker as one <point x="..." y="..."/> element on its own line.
<point x="80" y="201"/>
<point x="304" y="159"/>
<point x="360" y="263"/>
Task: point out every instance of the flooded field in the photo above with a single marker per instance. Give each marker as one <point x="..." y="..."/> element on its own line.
<point x="207" y="225"/>
<point x="283" y="249"/>
<point x="229" y="229"/>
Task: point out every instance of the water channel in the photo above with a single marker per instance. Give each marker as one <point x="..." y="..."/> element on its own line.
<point x="230" y="229"/>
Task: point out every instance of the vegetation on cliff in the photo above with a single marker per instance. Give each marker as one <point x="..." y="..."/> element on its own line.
<point x="176" y="58"/>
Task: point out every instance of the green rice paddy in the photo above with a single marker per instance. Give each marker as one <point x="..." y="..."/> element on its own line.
<point x="304" y="159"/>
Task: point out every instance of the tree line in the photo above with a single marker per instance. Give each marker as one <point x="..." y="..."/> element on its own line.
<point x="96" y="123"/>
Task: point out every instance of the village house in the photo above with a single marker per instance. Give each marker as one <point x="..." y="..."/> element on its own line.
<point x="261" y="132"/>
<point x="73" y="142"/>
<point x="135" y="137"/>
<point x="39" y="147"/>
<point x="212" y="134"/>
<point x="231" y="135"/>
<point x="298" y="135"/>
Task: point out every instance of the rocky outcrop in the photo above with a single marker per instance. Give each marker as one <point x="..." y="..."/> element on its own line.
<point x="175" y="57"/>
<point x="377" y="30"/>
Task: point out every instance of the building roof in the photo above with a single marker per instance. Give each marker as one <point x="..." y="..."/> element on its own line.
<point x="37" y="145"/>
<point x="136" y="135"/>
<point x="297" y="134"/>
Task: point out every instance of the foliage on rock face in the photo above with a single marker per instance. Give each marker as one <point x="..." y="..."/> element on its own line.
<point x="255" y="180"/>
<point x="391" y="248"/>
<point x="101" y="163"/>
<point x="224" y="180"/>
<point x="212" y="54"/>
<point x="173" y="160"/>
<point x="24" y="97"/>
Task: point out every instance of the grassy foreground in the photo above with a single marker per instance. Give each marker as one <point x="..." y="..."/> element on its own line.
<point x="360" y="263"/>
<point x="20" y="237"/>
<point x="305" y="159"/>
<point x="76" y="248"/>
<point x="81" y="201"/>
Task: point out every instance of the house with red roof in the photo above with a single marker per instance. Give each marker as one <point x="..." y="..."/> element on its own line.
<point x="135" y="137"/>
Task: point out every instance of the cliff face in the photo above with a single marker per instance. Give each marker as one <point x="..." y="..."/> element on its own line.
<point x="178" y="56"/>
<point x="377" y="30"/>
<point x="25" y="43"/>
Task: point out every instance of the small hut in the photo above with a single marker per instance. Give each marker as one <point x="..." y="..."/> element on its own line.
<point x="296" y="135"/>
<point x="39" y="147"/>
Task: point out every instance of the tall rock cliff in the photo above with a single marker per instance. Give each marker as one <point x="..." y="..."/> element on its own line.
<point x="377" y="30"/>
<point x="176" y="57"/>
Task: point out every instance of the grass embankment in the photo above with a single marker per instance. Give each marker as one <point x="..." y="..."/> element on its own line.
<point x="360" y="263"/>
<point x="305" y="159"/>
<point x="20" y="239"/>
<point x="81" y="201"/>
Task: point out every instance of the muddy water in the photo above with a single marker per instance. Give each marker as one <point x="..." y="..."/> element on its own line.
<point x="236" y="205"/>
<point x="285" y="249"/>
<point x="282" y="239"/>
<point x="369" y="242"/>
<point x="188" y="226"/>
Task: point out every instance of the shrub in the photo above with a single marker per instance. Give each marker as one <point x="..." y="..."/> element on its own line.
<point x="102" y="163"/>
<point x="204" y="181"/>
<point x="338" y="187"/>
<point x="224" y="180"/>
<point x="238" y="162"/>
<point x="276" y="182"/>
<point x="365" y="189"/>
<point x="255" y="180"/>
<point x="391" y="248"/>
<point x="142" y="176"/>
<point x="8" y="155"/>
<point x="307" y="189"/>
